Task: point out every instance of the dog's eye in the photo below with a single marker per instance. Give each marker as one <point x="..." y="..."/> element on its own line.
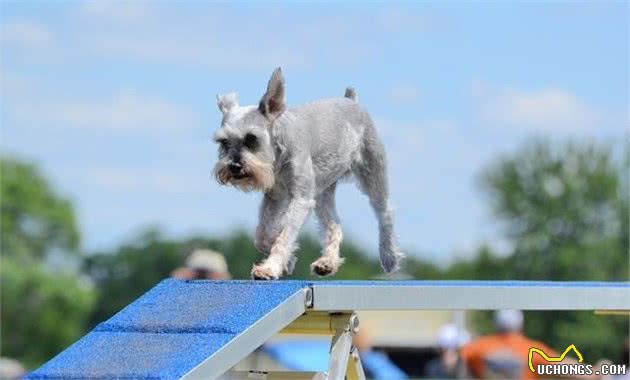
<point x="250" y="141"/>
<point x="222" y="142"/>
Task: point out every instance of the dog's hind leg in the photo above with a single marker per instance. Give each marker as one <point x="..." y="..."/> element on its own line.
<point x="371" y="174"/>
<point x="330" y="261"/>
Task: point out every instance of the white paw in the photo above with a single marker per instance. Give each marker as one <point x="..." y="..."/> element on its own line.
<point x="264" y="272"/>
<point x="325" y="266"/>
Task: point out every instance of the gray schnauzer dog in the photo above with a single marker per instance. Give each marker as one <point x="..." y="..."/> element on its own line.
<point x="295" y="157"/>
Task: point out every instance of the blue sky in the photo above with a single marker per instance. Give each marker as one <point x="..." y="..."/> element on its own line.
<point x="116" y="101"/>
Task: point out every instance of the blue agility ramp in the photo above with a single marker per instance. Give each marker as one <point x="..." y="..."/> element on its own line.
<point x="201" y="329"/>
<point x="174" y="327"/>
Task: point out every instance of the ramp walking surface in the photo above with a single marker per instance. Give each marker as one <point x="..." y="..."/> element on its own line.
<point x="168" y="331"/>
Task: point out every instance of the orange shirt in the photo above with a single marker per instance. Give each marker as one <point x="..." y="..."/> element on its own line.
<point x="502" y="356"/>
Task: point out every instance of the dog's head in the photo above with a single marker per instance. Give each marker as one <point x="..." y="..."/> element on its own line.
<point x="246" y="153"/>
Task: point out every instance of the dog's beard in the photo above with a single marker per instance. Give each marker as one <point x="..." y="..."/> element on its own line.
<point x="256" y="175"/>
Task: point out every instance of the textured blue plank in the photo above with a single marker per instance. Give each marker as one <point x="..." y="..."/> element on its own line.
<point x="169" y="330"/>
<point x="129" y="355"/>
<point x="176" y="306"/>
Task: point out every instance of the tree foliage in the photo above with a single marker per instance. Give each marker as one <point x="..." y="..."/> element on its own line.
<point x="34" y="219"/>
<point x="43" y="308"/>
<point x="565" y="213"/>
<point x="42" y="312"/>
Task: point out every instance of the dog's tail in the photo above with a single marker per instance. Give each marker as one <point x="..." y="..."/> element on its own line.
<point x="351" y="94"/>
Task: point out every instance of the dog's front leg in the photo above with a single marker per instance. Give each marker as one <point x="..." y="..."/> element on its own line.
<point x="280" y="257"/>
<point x="272" y="212"/>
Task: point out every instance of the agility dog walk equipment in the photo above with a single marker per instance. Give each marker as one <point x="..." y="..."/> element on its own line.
<point x="200" y="329"/>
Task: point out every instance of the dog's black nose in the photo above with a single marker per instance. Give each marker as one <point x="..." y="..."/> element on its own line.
<point x="235" y="167"/>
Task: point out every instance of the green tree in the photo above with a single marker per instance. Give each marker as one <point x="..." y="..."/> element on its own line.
<point x="485" y="265"/>
<point x="34" y="219"/>
<point x="42" y="312"/>
<point x="43" y="308"/>
<point x="565" y="213"/>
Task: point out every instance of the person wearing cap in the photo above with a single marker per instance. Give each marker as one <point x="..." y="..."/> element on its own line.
<point x="503" y="355"/>
<point x="449" y="339"/>
<point x="11" y="369"/>
<point x="203" y="264"/>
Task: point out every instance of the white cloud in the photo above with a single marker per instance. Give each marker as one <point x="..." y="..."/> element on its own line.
<point x="27" y="34"/>
<point x="123" y="111"/>
<point x="409" y="142"/>
<point x="143" y="32"/>
<point x="187" y="50"/>
<point x="142" y="35"/>
<point x="544" y="110"/>
<point x="139" y="180"/>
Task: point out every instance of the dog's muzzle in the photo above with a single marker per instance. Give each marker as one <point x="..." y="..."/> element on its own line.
<point x="236" y="169"/>
<point x="247" y="176"/>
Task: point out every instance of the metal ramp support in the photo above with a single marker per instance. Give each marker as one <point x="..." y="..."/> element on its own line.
<point x="344" y="357"/>
<point x="201" y="329"/>
<point x="344" y="361"/>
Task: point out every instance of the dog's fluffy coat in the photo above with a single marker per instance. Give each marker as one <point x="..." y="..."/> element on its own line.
<point x="296" y="157"/>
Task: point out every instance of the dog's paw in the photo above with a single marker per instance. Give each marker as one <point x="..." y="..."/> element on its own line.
<point x="325" y="266"/>
<point x="263" y="272"/>
<point x="390" y="260"/>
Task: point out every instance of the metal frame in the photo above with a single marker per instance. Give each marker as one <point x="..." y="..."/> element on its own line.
<point x="355" y="368"/>
<point x="472" y="296"/>
<point x="344" y="361"/>
<point x="328" y="308"/>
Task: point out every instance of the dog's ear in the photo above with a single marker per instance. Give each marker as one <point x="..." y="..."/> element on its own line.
<point x="272" y="103"/>
<point x="227" y="102"/>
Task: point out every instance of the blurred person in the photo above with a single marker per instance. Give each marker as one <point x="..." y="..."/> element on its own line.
<point x="449" y="340"/>
<point x="203" y="264"/>
<point x="504" y="355"/>
<point x="11" y="369"/>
